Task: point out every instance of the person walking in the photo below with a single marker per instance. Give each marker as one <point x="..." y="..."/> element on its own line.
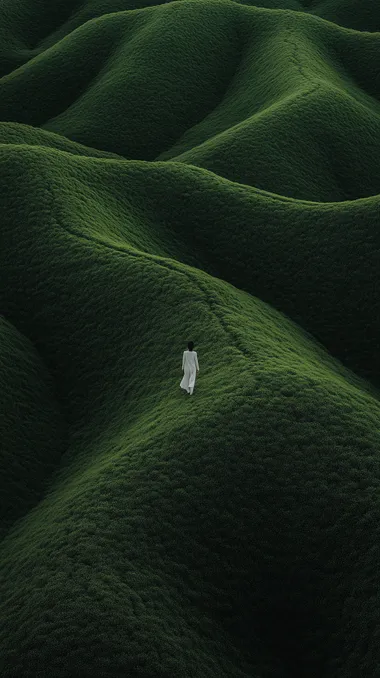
<point x="190" y="367"/>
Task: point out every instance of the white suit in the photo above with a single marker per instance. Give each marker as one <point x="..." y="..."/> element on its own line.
<point x="190" y="366"/>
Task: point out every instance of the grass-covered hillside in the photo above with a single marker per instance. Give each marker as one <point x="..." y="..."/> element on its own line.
<point x="205" y="170"/>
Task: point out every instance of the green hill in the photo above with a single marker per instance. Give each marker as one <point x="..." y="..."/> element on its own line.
<point x="206" y="170"/>
<point x="32" y="432"/>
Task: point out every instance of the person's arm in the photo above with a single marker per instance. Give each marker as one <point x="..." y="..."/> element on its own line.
<point x="196" y="361"/>
<point x="183" y="361"/>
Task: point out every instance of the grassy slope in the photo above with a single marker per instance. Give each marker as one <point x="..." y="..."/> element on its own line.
<point x="140" y="549"/>
<point x="30" y="26"/>
<point x="361" y="16"/>
<point x="316" y="122"/>
<point x="234" y="534"/>
<point x="318" y="263"/>
<point x="213" y="98"/>
<point x="16" y="134"/>
<point x="31" y="429"/>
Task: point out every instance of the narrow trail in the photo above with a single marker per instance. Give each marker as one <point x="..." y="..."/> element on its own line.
<point x="212" y="304"/>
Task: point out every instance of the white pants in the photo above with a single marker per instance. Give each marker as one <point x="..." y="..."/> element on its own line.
<point x="188" y="380"/>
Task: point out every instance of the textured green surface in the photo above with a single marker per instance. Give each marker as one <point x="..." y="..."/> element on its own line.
<point x="205" y="170"/>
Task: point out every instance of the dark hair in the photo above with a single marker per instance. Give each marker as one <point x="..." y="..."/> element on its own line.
<point x="190" y="345"/>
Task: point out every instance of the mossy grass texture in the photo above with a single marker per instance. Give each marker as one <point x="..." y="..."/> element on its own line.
<point x="205" y="170"/>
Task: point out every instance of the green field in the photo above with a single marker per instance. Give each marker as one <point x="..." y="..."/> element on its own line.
<point x="202" y="170"/>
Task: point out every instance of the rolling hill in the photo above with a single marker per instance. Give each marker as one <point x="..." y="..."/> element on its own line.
<point x="206" y="170"/>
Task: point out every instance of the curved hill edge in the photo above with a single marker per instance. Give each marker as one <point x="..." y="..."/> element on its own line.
<point x="113" y="158"/>
<point x="20" y="134"/>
